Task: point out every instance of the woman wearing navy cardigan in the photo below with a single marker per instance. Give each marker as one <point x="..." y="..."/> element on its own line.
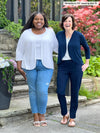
<point x="70" y="65"/>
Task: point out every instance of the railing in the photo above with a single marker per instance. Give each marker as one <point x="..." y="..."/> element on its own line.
<point x="13" y="9"/>
<point x="22" y="9"/>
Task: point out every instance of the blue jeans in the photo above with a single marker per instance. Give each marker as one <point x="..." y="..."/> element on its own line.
<point x="38" y="81"/>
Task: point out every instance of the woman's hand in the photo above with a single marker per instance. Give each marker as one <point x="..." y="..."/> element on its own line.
<point x="22" y="73"/>
<point x="85" y="66"/>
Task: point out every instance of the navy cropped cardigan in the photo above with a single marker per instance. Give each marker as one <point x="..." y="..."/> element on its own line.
<point x="74" y="47"/>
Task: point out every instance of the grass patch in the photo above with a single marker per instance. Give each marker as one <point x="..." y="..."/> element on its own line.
<point x="89" y="94"/>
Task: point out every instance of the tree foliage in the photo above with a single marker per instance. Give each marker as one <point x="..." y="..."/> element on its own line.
<point x="88" y="22"/>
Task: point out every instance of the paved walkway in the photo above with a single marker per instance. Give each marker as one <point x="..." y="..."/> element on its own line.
<point x="20" y="109"/>
<point x="87" y="121"/>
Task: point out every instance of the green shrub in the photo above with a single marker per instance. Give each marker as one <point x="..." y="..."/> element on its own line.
<point x="3" y="20"/>
<point x="55" y="25"/>
<point x="89" y="94"/>
<point x="14" y="29"/>
<point x="94" y="66"/>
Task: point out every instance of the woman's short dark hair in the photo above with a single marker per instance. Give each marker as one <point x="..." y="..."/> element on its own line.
<point x="30" y="24"/>
<point x="64" y="18"/>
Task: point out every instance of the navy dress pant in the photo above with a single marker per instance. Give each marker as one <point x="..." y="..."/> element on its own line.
<point x="69" y="69"/>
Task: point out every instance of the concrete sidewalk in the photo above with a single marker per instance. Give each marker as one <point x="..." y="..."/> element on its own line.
<point x="87" y="121"/>
<point x="20" y="109"/>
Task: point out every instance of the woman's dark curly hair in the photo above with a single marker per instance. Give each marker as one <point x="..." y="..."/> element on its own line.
<point x="64" y="18"/>
<point x="30" y="24"/>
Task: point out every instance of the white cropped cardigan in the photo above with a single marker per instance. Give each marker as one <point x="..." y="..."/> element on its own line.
<point x="26" y="48"/>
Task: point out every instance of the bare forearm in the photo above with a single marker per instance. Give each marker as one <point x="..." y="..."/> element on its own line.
<point x="87" y="61"/>
<point x="20" y="69"/>
<point x="19" y="64"/>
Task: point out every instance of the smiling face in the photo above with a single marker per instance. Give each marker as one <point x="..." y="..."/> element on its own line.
<point x="38" y="21"/>
<point x="67" y="24"/>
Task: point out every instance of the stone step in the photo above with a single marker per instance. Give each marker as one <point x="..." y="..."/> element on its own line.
<point x="20" y="91"/>
<point x="87" y="80"/>
<point x="21" y="88"/>
<point x="19" y="80"/>
<point x="88" y="83"/>
<point x="6" y="41"/>
<point x="6" y="53"/>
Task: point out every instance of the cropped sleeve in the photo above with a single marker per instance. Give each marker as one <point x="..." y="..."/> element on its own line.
<point x="85" y="46"/>
<point x="55" y="42"/>
<point x="20" y="49"/>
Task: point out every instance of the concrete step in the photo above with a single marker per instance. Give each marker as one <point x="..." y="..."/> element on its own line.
<point x="88" y="83"/>
<point x="20" y="109"/>
<point x="20" y="91"/>
<point x="87" y="80"/>
<point x="6" y="53"/>
<point x="19" y="80"/>
<point x="21" y="88"/>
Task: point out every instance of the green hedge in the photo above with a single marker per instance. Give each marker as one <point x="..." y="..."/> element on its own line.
<point x="54" y="25"/>
<point x="15" y="28"/>
<point x="89" y="94"/>
<point x="3" y="20"/>
<point x="94" y="66"/>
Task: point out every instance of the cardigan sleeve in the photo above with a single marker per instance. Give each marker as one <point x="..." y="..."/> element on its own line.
<point x="85" y="46"/>
<point x="20" y="49"/>
<point x="55" y="42"/>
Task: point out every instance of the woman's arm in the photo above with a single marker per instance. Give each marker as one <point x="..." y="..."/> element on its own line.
<point x="87" y="52"/>
<point x="20" y="69"/>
